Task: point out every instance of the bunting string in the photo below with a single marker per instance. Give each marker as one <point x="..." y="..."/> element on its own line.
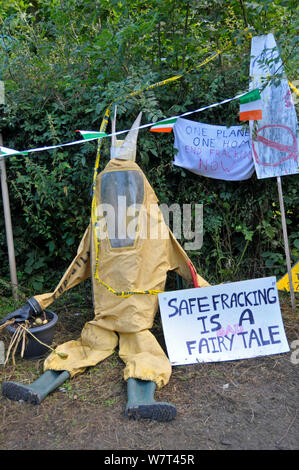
<point x="143" y="126"/>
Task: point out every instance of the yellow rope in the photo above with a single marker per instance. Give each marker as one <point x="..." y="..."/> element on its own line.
<point x="294" y="88"/>
<point x="93" y="204"/>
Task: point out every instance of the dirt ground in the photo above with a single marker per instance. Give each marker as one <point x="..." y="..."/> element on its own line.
<point x="239" y="405"/>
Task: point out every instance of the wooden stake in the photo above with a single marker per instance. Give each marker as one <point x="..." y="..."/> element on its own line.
<point x="286" y="243"/>
<point x="8" y="227"/>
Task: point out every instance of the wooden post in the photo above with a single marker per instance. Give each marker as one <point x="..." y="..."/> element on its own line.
<point x="286" y="243"/>
<point x="8" y="227"/>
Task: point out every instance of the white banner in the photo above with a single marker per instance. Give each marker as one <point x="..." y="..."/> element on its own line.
<point x="275" y="141"/>
<point x="224" y="322"/>
<point x="215" y="151"/>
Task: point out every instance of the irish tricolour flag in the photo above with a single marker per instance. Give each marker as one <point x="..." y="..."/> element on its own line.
<point x="164" y="126"/>
<point x="251" y="106"/>
<point x="7" y="151"/>
<point x="92" y="134"/>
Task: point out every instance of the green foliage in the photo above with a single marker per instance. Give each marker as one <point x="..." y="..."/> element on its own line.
<point x="64" y="62"/>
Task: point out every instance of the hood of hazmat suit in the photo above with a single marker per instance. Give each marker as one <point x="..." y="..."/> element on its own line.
<point x="128" y="250"/>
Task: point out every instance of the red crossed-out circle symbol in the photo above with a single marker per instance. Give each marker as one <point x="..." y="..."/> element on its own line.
<point x="291" y="150"/>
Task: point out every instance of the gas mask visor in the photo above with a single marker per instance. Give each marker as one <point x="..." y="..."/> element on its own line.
<point x="122" y="195"/>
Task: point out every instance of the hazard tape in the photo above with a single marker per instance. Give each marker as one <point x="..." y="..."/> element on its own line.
<point x="142" y="90"/>
<point x="93" y="205"/>
<point x="294" y="88"/>
<point x="103" y="127"/>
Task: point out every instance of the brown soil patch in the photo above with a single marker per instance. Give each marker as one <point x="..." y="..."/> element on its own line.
<point x="247" y="404"/>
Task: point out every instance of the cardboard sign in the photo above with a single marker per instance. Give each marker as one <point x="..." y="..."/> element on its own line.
<point x="215" y="151"/>
<point x="275" y="140"/>
<point x="226" y="322"/>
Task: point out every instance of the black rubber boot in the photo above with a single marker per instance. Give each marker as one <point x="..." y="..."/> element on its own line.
<point x="30" y="309"/>
<point x="36" y="392"/>
<point x="141" y="403"/>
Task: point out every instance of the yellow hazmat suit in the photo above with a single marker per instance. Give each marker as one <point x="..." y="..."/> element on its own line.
<point x="127" y="250"/>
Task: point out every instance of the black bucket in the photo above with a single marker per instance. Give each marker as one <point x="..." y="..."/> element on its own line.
<point x="44" y="333"/>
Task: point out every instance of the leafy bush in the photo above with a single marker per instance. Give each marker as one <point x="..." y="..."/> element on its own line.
<point x="64" y="62"/>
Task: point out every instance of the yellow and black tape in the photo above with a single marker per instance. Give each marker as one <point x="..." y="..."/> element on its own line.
<point x="96" y="167"/>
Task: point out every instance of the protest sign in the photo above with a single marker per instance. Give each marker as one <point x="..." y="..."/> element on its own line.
<point x="226" y="322"/>
<point x="218" y="152"/>
<point x="275" y="137"/>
